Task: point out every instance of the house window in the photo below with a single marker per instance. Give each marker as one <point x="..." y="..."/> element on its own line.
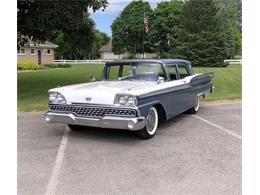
<point x="21" y="51"/>
<point x="32" y="51"/>
<point x="48" y="52"/>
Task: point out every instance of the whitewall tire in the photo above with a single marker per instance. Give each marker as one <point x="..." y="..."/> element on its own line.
<point x="196" y="106"/>
<point x="151" y="124"/>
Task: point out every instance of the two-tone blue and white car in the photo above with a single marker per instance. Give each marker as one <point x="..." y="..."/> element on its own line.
<point x="133" y="95"/>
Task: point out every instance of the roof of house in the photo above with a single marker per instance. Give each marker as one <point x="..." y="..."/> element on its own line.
<point x="46" y="44"/>
<point x="106" y="48"/>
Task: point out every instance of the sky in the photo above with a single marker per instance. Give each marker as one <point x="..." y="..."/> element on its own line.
<point x="104" y="19"/>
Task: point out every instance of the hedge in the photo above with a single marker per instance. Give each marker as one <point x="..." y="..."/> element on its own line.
<point x="27" y="65"/>
<point x="57" y="65"/>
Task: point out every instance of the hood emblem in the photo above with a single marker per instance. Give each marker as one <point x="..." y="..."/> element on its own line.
<point x="88" y="99"/>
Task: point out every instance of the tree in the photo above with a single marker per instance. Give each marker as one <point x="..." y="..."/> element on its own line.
<point x="36" y="19"/>
<point x="227" y="32"/>
<point x="236" y="7"/>
<point x="202" y="35"/>
<point x="57" y="37"/>
<point x="127" y="29"/>
<point x="77" y="43"/>
<point x="165" y="26"/>
<point x="101" y="39"/>
<point x="233" y="9"/>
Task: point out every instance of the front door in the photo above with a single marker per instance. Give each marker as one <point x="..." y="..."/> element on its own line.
<point x="39" y="57"/>
<point x="180" y="97"/>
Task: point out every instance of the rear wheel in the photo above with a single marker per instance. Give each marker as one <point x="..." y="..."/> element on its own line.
<point x="196" y="107"/>
<point x="151" y="124"/>
<point x="76" y="127"/>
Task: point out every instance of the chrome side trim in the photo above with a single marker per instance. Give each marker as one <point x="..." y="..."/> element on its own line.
<point x="105" y="122"/>
<point x="166" y="90"/>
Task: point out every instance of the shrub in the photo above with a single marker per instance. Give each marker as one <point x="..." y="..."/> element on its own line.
<point x="64" y="65"/>
<point x="57" y="65"/>
<point x="50" y="65"/>
<point x="26" y="65"/>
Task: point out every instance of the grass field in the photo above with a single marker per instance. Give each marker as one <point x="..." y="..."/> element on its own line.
<point x="33" y="86"/>
<point x="227" y="82"/>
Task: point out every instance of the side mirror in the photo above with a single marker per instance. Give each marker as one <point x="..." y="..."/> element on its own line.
<point x="160" y="80"/>
<point x="92" y="78"/>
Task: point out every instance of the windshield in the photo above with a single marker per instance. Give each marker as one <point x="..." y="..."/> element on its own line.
<point x="135" y="71"/>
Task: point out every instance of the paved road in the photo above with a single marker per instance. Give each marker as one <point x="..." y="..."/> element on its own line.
<point x="190" y="154"/>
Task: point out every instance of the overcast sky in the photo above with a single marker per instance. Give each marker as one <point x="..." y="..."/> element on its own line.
<point x="104" y="19"/>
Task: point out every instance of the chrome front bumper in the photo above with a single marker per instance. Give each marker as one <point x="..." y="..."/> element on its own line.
<point x="113" y="122"/>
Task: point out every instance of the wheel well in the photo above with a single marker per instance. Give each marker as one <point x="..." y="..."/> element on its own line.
<point x="161" y="111"/>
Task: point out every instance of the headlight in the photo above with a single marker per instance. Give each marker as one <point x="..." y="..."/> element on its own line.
<point x="52" y="97"/>
<point x="127" y="100"/>
<point x="131" y="100"/>
<point x="122" y="100"/>
<point x="57" y="98"/>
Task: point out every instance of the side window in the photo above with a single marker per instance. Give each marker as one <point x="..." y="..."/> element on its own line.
<point x="172" y="72"/>
<point x="183" y="71"/>
<point x="127" y="71"/>
<point x="113" y="72"/>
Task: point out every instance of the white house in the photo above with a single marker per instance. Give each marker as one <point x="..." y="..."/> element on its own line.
<point x="107" y="54"/>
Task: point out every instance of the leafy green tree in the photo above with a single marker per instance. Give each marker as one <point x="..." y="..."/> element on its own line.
<point x="127" y="29"/>
<point x="165" y="27"/>
<point x="238" y="40"/>
<point x="36" y="19"/>
<point x="227" y="33"/>
<point x="236" y="7"/>
<point x="58" y="38"/>
<point x="202" y="35"/>
<point x="233" y="12"/>
<point x="101" y="39"/>
<point x="77" y="43"/>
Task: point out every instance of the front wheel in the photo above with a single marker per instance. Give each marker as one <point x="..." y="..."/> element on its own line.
<point x="151" y="124"/>
<point x="196" y="107"/>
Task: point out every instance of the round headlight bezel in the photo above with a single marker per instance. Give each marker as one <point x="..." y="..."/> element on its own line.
<point x="131" y="100"/>
<point x="122" y="100"/>
<point x="126" y="100"/>
<point x="52" y="97"/>
<point x="56" y="98"/>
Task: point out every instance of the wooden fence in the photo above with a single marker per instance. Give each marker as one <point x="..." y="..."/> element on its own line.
<point x="232" y="61"/>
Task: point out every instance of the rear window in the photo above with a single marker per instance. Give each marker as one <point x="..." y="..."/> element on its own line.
<point x="183" y="71"/>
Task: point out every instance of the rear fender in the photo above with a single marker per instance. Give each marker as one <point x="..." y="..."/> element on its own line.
<point x="202" y="84"/>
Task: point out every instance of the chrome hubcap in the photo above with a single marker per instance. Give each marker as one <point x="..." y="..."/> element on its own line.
<point x="150" y="121"/>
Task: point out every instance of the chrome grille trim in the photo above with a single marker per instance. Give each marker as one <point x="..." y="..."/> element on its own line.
<point x="92" y="111"/>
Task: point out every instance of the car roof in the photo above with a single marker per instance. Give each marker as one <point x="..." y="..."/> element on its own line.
<point x="162" y="61"/>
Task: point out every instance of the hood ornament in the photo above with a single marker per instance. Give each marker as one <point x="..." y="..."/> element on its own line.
<point x="88" y="99"/>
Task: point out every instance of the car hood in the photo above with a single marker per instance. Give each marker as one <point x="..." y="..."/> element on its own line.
<point x="101" y="92"/>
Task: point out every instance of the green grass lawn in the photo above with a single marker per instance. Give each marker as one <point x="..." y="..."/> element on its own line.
<point x="33" y="86"/>
<point x="227" y="82"/>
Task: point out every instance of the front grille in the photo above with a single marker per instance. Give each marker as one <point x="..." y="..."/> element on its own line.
<point x="87" y="111"/>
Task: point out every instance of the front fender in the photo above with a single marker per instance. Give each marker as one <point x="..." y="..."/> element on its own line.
<point x="144" y="107"/>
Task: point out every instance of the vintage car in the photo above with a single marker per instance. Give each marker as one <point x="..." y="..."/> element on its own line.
<point x="132" y="94"/>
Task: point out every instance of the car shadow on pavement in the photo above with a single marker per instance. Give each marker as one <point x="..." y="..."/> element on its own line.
<point x="118" y="135"/>
<point x="107" y="135"/>
<point x="165" y="124"/>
